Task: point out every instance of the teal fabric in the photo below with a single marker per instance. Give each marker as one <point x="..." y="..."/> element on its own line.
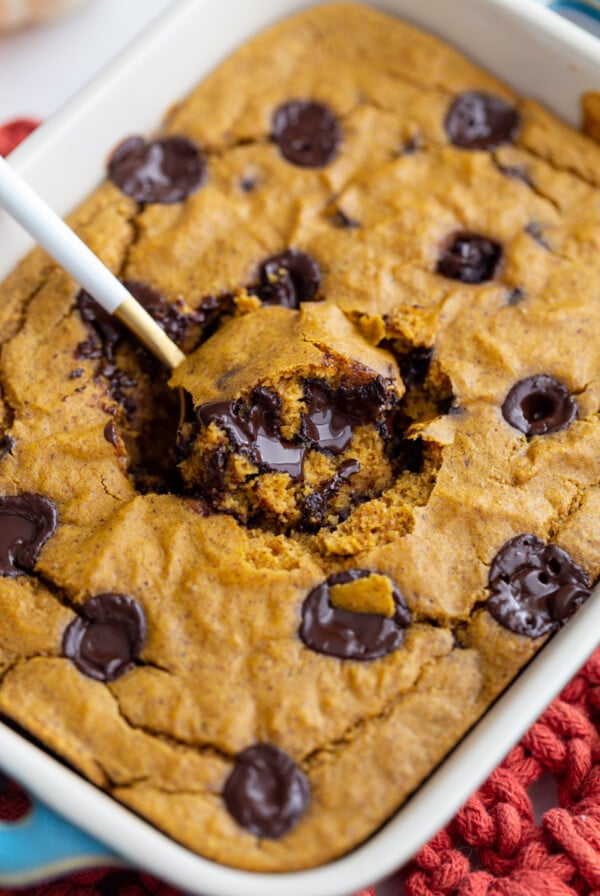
<point x="42" y="842"/>
<point x="586" y="15"/>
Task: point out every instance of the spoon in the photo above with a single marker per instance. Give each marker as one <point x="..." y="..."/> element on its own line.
<point x="50" y="231"/>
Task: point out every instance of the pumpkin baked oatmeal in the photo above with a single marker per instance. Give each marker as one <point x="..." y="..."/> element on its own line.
<point x="261" y="625"/>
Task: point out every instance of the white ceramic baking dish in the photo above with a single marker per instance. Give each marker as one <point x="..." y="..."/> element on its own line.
<point x="537" y="53"/>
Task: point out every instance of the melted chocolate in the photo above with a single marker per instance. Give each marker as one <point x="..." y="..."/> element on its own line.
<point x="328" y="423"/>
<point x="351" y="636"/>
<point x="481" y="121"/>
<point x="470" y="258"/>
<point x="539" y="405"/>
<point x="331" y="417"/>
<point x="256" y="432"/>
<point x="26" y="523"/>
<point x="165" y="170"/>
<point x="266" y="792"/>
<point x="307" y="133"/>
<point x="535" y="587"/>
<point x="288" y="279"/>
<point x="108" y="636"/>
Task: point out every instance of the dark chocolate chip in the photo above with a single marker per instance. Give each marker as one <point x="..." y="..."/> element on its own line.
<point x="535" y="587"/>
<point x="108" y="636"/>
<point x="307" y="133"/>
<point x="110" y="433"/>
<point x="518" y="172"/>
<point x="317" y="503"/>
<point x="104" y="329"/>
<point x="106" y="333"/>
<point x="343" y="221"/>
<point x="481" y="121"/>
<point x="539" y="405"/>
<point x="26" y="523"/>
<point x="7" y="445"/>
<point x="535" y="231"/>
<point x="247" y="184"/>
<point x="411" y="147"/>
<point x="331" y="417"/>
<point x="470" y="258"/>
<point x="168" y="315"/>
<point x="266" y="792"/>
<point x="165" y="170"/>
<point x="288" y="279"/>
<point x="351" y="636"/>
<point x="75" y="374"/>
<point x="516" y="296"/>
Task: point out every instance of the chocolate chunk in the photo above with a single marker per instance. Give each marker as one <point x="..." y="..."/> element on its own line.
<point x="165" y="170"/>
<point x="481" y="121"/>
<point x="414" y="365"/>
<point x="307" y="133"/>
<point x="26" y="523"/>
<point x="288" y="279"/>
<point x="107" y="637"/>
<point x="539" y="405"/>
<point x="328" y="423"/>
<point x="470" y="258"/>
<point x="535" y="587"/>
<point x="266" y="792"/>
<point x="351" y="636"/>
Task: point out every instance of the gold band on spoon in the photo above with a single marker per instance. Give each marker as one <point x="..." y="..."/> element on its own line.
<point x="149" y="333"/>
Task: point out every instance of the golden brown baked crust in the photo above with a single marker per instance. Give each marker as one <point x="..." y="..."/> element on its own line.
<point x="223" y="666"/>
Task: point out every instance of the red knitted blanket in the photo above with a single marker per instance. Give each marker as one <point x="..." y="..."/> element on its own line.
<point x="494" y="846"/>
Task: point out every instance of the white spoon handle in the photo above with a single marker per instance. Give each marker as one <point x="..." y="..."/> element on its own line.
<point x="51" y="232"/>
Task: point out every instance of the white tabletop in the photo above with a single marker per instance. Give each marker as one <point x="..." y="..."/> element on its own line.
<point x="41" y="67"/>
